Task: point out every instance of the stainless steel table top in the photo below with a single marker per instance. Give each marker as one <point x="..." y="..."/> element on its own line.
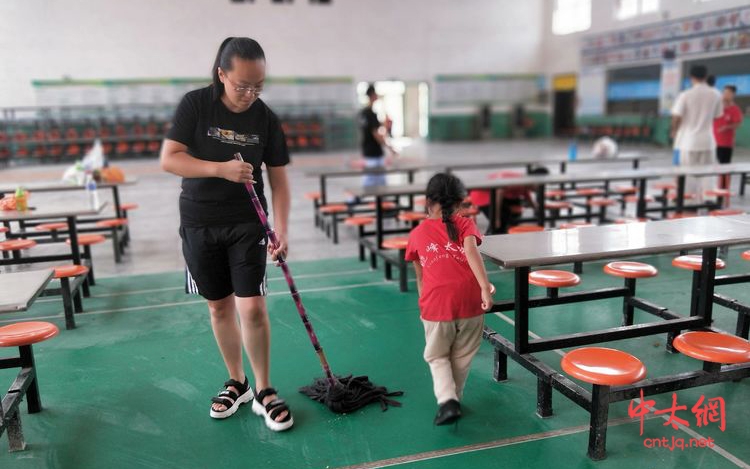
<point x="18" y="290"/>
<point x="615" y="241"/>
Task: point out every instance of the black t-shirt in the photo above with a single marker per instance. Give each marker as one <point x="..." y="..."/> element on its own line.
<point x="214" y="133"/>
<point x="369" y="122"/>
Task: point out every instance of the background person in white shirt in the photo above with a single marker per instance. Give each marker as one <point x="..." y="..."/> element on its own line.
<point x="693" y="114"/>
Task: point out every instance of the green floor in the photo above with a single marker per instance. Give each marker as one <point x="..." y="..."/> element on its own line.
<point x="130" y="387"/>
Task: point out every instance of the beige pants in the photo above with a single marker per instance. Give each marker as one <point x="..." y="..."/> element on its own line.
<point x="449" y="348"/>
<point x="700" y="185"/>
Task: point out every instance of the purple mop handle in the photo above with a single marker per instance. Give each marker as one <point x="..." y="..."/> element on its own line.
<point x="288" y="276"/>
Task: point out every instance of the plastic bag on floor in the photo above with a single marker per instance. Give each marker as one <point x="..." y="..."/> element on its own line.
<point x="93" y="162"/>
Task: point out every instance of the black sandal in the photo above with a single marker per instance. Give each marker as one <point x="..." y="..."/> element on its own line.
<point x="230" y="399"/>
<point x="273" y="409"/>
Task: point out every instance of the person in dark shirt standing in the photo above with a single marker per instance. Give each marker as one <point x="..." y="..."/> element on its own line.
<point x="373" y="141"/>
<point x="223" y="241"/>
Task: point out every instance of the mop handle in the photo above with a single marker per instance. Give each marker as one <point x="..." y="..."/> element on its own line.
<point x="288" y="276"/>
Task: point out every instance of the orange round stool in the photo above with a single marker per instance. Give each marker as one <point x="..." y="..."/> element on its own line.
<point x="315" y="197"/>
<point x="553" y="280"/>
<point x="603" y="368"/>
<point x="726" y="212"/>
<point x="680" y="215"/>
<point x="555" y="194"/>
<point x="385" y="205"/>
<point x="694" y="262"/>
<point x="118" y="238"/>
<point x="333" y="208"/>
<point x="89" y="239"/>
<point x="15" y="246"/>
<point x="332" y="226"/>
<point x="23" y="335"/>
<point x="398" y="243"/>
<point x="673" y="196"/>
<point x="26" y="333"/>
<point x="713" y="347"/>
<point x="721" y="193"/>
<point x="51" y="226"/>
<point x="590" y="192"/>
<point x="601" y="202"/>
<point x="575" y="224"/>
<point x="625" y="190"/>
<point x="525" y="229"/>
<point x="71" y="290"/>
<point x="633" y="199"/>
<point x="630" y="271"/>
<point x="359" y="221"/>
<point x="412" y="217"/>
<point x="112" y="223"/>
<point x="86" y="241"/>
<point x="557" y="205"/>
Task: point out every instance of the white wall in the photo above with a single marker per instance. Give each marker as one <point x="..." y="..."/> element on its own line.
<point x="365" y="39"/>
<point x="562" y="53"/>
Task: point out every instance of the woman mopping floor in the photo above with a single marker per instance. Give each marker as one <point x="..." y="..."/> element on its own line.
<point x="223" y="241"/>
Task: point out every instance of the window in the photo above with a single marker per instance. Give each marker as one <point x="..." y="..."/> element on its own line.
<point x="625" y="9"/>
<point x="571" y="16"/>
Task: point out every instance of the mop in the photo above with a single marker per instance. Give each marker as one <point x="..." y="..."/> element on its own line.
<point x="340" y="394"/>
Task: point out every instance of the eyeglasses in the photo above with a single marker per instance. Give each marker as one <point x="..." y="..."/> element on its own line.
<point x="255" y="91"/>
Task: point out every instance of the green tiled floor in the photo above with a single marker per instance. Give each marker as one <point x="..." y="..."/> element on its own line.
<point x="131" y="387"/>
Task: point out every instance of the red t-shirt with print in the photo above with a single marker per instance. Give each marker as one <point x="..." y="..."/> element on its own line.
<point x="449" y="289"/>
<point x="732" y="115"/>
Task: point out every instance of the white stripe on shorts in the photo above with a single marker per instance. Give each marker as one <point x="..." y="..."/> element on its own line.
<point x="264" y="286"/>
<point x="190" y="286"/>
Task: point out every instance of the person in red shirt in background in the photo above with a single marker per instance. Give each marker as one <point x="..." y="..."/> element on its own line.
<point x="724" y="130"/>
<point x="511" y="200"/>
<point x="454" y="291"/>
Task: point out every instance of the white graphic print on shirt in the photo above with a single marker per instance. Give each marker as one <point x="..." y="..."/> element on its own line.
<point x="449" y="251"/>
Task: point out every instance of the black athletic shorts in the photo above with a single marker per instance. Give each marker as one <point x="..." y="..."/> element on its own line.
<point x="222" y="260"/>
<point x="724" y="155"/>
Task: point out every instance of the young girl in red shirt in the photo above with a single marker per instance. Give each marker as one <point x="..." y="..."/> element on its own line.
<point x="454" y="292"/>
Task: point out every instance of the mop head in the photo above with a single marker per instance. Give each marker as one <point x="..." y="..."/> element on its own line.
<point x="350" y="393"/>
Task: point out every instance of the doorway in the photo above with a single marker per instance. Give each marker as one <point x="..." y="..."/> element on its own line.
<point x="564" y="113"/>
<point x="405" y="105"/>
<point x="564" y="104"/>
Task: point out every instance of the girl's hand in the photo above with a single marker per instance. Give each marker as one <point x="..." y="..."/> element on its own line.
<point x="236" y="171"/>
<point x="278" y="250"/>
<point x="487" y="300"/>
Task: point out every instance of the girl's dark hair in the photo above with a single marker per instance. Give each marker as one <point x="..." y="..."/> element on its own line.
<point x="240" y="47"/>
<point x="448" y="191"/>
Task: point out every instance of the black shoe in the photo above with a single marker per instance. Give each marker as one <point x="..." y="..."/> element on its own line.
<point x="448" y="412"/>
